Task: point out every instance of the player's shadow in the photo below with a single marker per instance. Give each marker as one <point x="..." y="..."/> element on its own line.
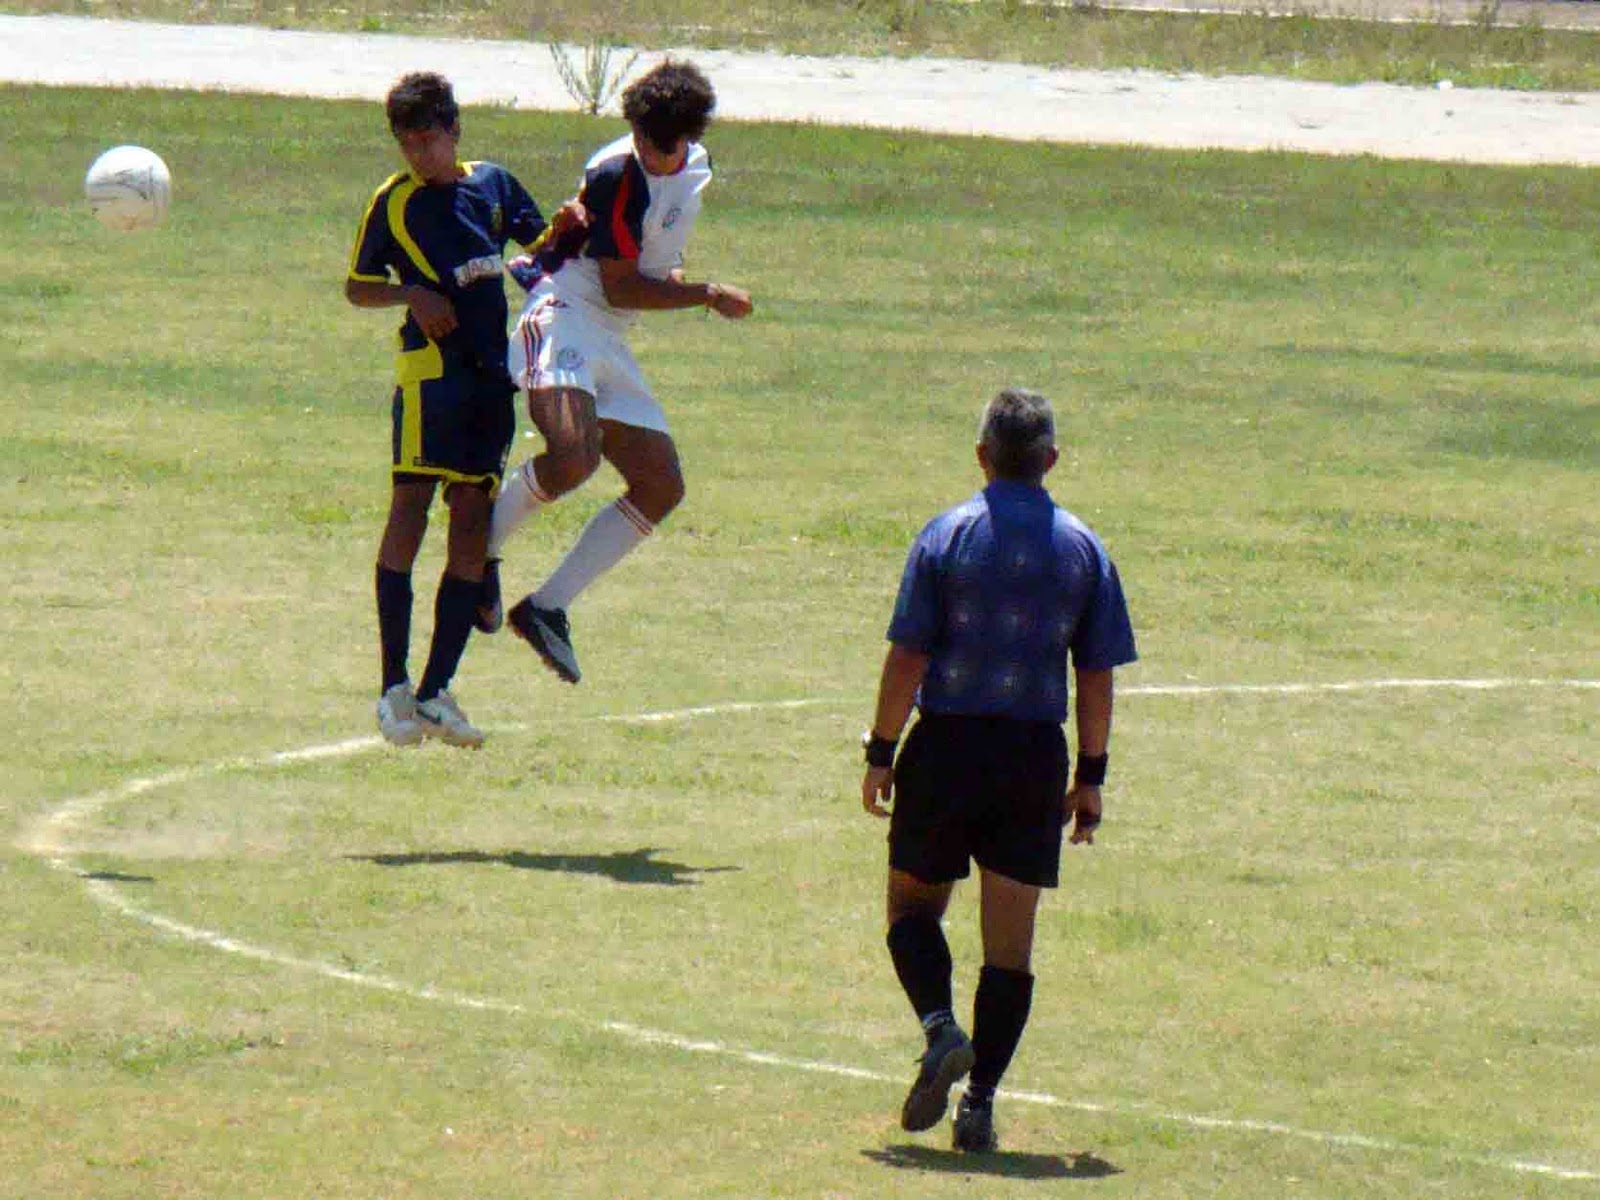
<point x="1005" y="1164"/>
<point x="623" y="866"/>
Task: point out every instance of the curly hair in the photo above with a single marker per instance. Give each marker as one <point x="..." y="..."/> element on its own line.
<point x="421" y="100"/>
<point x="673" y="100"/>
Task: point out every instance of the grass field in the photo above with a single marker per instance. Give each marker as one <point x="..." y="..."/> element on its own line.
<point x="1335" y="419"/>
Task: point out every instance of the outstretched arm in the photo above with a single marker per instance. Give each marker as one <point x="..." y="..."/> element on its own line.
<point x="625" y="287"/>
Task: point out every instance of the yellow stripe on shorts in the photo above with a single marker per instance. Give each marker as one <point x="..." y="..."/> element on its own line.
<point x="413" y="368"/>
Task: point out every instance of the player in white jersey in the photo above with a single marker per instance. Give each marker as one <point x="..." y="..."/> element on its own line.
<point x="569" y="354"/>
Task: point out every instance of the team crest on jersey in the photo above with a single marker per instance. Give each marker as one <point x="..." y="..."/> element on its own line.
<point x="497" y="222"/>
<point x="569" y="358"/>
<point x="671" y="219"/>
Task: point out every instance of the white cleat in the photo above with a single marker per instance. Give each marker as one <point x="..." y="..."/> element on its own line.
<point x="442" y="718"/>
<point x="397" y="716"/>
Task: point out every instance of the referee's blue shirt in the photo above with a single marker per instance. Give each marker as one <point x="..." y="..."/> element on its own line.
<point x="996" y="592"/>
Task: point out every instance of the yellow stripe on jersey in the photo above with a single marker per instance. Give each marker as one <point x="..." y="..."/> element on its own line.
<point x="397" y="225"/>
<point x="413" y="368"/>
<point x="361" y="233"/>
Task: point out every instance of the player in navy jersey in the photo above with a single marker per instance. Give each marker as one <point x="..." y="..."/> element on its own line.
<point x="997" y="594"/>
<point x="569" y="353"/>
<point x="432" y="240"/>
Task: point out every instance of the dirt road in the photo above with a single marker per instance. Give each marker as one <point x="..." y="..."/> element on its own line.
<point x="953" y="96"/>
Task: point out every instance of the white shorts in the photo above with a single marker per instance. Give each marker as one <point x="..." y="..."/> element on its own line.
<point x="555" y="345"/>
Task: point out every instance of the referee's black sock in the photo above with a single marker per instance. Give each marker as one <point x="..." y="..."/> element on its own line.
<point x="455" y="608"/>
<point x="922" y="961"/>
<point x="999" y="1013"/>
<point x="394" y="623"/>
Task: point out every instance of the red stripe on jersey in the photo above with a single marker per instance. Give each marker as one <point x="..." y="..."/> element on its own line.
<point x="621" y="235"/>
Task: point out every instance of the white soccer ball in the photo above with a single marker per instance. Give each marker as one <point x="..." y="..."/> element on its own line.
<point x="128" y="188"/>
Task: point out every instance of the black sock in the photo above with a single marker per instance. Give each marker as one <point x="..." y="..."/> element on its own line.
<point x="922" y="961"/>
<point x="394" y="623"/>
<point x="455" y="607"/>
<point x="999" y="1013"/>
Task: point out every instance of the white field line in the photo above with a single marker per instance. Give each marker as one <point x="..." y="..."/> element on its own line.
<point x="48" y="841"/>
<point x="1357" y="685"/>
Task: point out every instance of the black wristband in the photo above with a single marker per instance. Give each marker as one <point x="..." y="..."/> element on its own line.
<point x="1091" y="770"/>
<point x="880" y="750"/>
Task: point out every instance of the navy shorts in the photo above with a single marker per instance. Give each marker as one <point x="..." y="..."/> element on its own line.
<point x="452" y="419"/>
<point x="985" y="789"/>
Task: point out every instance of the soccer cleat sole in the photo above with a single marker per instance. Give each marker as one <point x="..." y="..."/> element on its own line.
<point x="527" y="626"/>
<point x="467" y="741"/>
<point x="929" y="1096"/>
<point x="403" y="734"/>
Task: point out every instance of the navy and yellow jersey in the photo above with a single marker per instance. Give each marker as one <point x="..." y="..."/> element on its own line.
<point x="633" y="215"/>
<point x="451" y="238"/>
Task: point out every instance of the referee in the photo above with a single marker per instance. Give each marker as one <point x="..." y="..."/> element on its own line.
<point x="997" y="592"/>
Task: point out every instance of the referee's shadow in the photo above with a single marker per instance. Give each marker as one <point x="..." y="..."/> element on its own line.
<point x="623" y="866"/>
<point x="1004" y="1164"/>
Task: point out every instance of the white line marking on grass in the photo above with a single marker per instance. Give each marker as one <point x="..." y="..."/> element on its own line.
<point x="1358" y="685"/>
<point x="1358" y="1141"/>
<point x="716" y="710"/>
<point x="51" y="834"/>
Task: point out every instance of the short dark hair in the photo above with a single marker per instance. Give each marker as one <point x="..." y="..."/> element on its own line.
<point x="1018" y="430"/>
<point x="421" y="100"/>
<point x="672" y="100"/>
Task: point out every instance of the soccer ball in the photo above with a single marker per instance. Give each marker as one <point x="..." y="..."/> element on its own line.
<point x="128" y="187"/>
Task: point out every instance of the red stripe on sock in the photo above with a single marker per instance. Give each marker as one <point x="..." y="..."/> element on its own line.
<point x="635" y="518"/>
<point x="530" y="480"/>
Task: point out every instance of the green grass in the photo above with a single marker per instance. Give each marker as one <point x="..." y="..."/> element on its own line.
<point x="1335" y="419"/>
<point x="1484" y="53"/>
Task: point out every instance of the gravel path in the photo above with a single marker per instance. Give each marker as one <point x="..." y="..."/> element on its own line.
<point x="952" y="96"/>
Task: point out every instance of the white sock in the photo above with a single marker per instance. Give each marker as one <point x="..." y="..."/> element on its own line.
<point x="605" y="541"/>
<point x="520" y="497"/>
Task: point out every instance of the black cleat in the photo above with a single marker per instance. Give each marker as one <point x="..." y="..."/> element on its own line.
<point x="949" y="1056"/>
<point x="546" y="630"/>
<point x="973" y="1129"/>
<point x="489" y="617"/>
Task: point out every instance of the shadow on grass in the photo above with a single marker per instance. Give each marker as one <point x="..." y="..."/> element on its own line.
<point x="1004" y="1164"/>
<point x="116" y="877"/>
<point x="623" y="866"/>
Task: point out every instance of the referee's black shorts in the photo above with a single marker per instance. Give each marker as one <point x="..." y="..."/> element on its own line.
<point x="986" y="789"/>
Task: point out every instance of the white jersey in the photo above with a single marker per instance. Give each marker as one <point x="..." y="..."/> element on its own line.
<point x="632" y="215"/>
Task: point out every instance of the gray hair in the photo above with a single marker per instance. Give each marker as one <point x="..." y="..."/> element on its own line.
<point x="1018" y="430"/>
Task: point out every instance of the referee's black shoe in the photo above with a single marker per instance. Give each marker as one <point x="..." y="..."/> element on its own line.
<point x="973" y="1129"/>
<point x="546" y="630"/>
<point x="949" y="1056"/>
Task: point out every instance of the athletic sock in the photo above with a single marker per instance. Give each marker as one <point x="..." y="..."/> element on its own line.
<point x="605" y="541"/>
<point x="520" y="497"/>
<point x="394" y="623"/>
<point x="455" y="608"/>
<point x="999" y="1014"/>
<point x="922" y="961"/>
